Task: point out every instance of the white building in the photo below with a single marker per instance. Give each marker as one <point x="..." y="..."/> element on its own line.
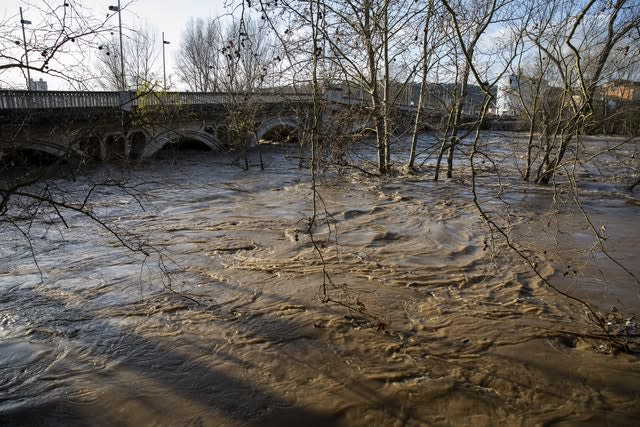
<point x="508" y="99"/>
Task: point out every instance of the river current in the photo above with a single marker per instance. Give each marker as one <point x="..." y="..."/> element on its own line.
<point x="402" y="308"/>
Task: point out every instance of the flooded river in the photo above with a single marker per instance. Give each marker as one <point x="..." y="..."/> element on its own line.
<point x="414" y="314"/>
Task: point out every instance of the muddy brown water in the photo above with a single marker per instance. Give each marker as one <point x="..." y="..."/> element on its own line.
<point x="431" y="319"/>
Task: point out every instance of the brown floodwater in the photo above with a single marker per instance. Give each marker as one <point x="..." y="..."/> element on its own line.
<point x="401" y="309"/>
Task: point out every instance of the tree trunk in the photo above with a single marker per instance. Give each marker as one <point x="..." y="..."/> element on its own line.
<point x="417" y="126"/>
<point x="457" y="119"/>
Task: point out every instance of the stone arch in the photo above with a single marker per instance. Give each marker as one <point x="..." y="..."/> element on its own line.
<point x="289" y="125"/>
<point x="172" y="136"/>
<point x="361" y="127"/>
<point x="89" y="146"/>
<point x="32" y="148"/>
<point x="137" y="142"/>
<point x="49" y="148"/>
<point x="114" y="146"/>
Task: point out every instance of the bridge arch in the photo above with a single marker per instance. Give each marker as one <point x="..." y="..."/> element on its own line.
<point x="361" y="126"/>
<point x="62" y="152"/>
<point x="279" y="125"/>
<point x="137" y="142"/>
<point x="89" y="146"/>
<point x="114" y="146"/>
<point x="174" y="135"/>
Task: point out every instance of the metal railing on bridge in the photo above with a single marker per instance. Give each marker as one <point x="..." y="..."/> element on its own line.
<point x="20" y="99"/>
<point x="126" y="100"/>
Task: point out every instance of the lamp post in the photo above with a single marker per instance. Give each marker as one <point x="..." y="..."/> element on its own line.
<point x="24" y="22"/>
<point x="164" y="69"/>
<point x="117" y="9"/>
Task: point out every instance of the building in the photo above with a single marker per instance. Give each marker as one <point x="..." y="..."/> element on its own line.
<point x="441" y="97"/>
<point x="40" y="85"/>
<point x="621" y="91"/>
<point x="507" y="98"/>
<point x="618" y="104"/>
<point x="518" y="94"/>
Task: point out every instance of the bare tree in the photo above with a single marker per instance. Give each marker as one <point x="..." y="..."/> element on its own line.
<point x="140" y="55"/>
<point x="469" y="23"/>
<point x="361" y="46"/>
<point x="199" y="57"/>
<point x="246" y="56"/>
<point x="233" y="56"/>
<point x="385" y="31"/>
<point x="58" y="36"/>
<point x="432" y="37"/>
<point x="579" y="44"/>
<point x="563" y="122"/>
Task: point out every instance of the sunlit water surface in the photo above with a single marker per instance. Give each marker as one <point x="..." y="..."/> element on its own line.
<point x="431" y="320"/>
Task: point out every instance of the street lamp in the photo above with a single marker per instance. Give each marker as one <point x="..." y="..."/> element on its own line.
<point x="164" y="69"/>
<point x="24" y="22"/>
<point x="118" y="9"/>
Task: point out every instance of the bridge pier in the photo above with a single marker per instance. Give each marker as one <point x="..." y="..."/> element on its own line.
<point x="137" y="141"/>
<point x="114" y="146"/>
<point x="90" y="146"/>
<point x="223" y="135"/>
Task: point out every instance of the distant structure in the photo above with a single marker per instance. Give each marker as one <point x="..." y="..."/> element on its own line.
<point x="518" y="94"/>
<point x="40" y="85"/>
<point x="621" y="91"/>
<point x="619" y="102"/>
<point x="442" y="97"/>
<point x="508" y="102"/>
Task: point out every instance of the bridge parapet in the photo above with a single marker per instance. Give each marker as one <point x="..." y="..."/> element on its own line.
<point x="114" y="124"/>
<point x="205" y="98"/>
<point x="21" y="99"/>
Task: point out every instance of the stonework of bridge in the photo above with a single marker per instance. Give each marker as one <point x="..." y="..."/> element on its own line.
<point x="126" y="125"/>
<point x="108" y="125"/>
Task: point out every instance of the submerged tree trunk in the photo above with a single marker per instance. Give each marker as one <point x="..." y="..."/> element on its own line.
<point x="417" y="126"/>
<point x="457" y="121"/>
<point x="374" y="90"/>
<point x="444" y="145"/>
<point x="386" y="98"/>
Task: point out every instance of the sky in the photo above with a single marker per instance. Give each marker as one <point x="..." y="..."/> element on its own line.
<point x="170" y="16"/>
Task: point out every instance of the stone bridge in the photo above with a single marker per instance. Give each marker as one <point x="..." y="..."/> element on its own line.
<point x="123" y="125"/>
<point x="126" y="125"/>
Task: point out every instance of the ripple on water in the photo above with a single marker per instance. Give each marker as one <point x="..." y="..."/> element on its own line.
<point x="426" y="324"/>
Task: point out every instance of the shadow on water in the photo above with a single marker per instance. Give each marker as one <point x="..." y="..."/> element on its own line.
<point x="213" y="388"/>
<point x="215" y="394"/>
